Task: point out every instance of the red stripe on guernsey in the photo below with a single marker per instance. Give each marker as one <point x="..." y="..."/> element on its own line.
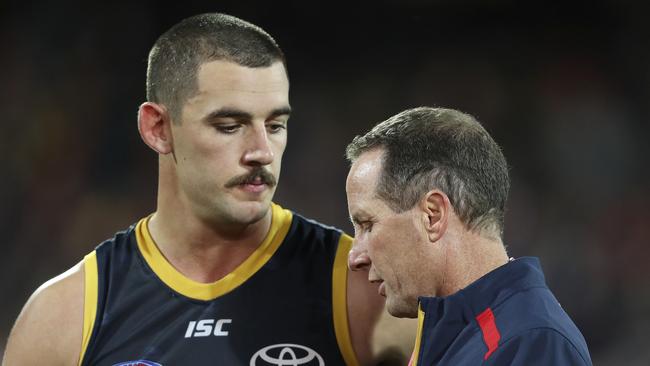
<point x="491" y="334"/>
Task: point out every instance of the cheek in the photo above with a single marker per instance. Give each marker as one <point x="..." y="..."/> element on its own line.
<point x="393" y="248"/>
<point x="279" y="143"/>
<point x="204" y="162"/>
<point x="380" y="247"/>
<point x="190" y="148"/>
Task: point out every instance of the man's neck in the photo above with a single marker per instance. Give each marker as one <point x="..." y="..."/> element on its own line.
<point x="200" y="249"/>
<point x="471" y="256"/>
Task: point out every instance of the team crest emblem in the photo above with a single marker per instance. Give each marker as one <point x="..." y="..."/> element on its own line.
<point x="138" y="363"/>
<point x="286" y="354"/>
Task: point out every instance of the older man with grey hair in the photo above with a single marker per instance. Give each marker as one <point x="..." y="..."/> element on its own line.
<point x="426" y="192"/>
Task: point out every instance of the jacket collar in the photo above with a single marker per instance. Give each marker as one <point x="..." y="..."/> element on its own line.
<point x="441" y="319"/>
<point x="489" y="290"/>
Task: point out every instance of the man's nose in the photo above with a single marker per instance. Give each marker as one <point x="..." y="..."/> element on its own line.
<point x="358" y="259"/>
<point x="259" y="150"/>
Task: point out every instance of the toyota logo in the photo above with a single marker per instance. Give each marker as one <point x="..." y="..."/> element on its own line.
<point x="286" y="354"/>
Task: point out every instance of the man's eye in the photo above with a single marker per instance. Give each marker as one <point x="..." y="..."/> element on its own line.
<point x="276" y="127"/>
<point x="227" y="128"/>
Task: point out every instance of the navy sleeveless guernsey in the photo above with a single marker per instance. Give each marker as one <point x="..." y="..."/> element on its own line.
<point x="284" y="305"/>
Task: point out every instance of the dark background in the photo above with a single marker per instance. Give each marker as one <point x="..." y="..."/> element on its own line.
<point x="563" y="88"/>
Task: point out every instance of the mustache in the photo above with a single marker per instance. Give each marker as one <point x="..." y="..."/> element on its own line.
<point x="266" y="178"/>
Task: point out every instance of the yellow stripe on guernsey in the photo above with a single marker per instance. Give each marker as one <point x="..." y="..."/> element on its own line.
<point x="418" y="337"/>
<point x="90" y="301"/>
<point x="280" y="224"/>
<point x="339" y="300"/>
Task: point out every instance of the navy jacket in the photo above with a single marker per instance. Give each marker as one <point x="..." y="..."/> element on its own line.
<point x="507" y="317"/>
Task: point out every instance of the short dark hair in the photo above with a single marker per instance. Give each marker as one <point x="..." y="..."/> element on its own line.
<point x="426" y="148"/>
<point x="177" y="54"/>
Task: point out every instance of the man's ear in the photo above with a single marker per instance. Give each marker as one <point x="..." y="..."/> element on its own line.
<point x="154" y="126"/>
<point x="436" y="209"/>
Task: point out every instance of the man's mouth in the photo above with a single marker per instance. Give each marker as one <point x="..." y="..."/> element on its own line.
<point x="256" y="181"/>
<point x="256" y="185"/>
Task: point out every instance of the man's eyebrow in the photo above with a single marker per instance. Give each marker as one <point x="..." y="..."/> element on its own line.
<point x="284" y="111"/>
<point x="228" y="113"/>
<point x="242" y="115"/>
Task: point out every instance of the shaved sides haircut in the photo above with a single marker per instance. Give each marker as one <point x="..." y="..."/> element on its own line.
<point x="176" y="56"/>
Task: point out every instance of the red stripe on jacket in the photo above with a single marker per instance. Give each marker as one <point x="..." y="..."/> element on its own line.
<point x="490" y="331"/>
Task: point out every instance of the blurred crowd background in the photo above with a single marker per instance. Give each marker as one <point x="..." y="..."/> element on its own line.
<point x="564" y="88"/>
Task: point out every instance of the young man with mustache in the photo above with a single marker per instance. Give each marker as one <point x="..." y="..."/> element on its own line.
<point x="218" y="274"/>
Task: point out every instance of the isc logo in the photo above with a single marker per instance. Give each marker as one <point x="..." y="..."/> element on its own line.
<point x="207" y="327"/>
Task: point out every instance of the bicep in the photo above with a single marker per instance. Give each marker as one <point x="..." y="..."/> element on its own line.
<point x="376" y="335"/>
<point x="394" y="338"/>
<point x="364" y="307"/>
<point x="48" y="329"/>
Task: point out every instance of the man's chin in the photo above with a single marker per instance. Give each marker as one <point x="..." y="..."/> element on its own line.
<point x="251" y="212"/>
<point x="401" y="309"/>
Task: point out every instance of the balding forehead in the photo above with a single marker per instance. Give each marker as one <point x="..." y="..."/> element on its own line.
<point x="368" y="162"/>
<point x="365" y="173"/>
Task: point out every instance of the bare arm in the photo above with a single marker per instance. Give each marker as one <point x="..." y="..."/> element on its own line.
<point x="48" y="329"/>
<point x="394" y="339"/>
<point x="377" y="337"/>
<point x="364" y="309"/>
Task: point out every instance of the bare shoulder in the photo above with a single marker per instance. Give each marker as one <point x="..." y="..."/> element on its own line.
<point x="49" y="327"/>
<point x="376" y="336"/>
